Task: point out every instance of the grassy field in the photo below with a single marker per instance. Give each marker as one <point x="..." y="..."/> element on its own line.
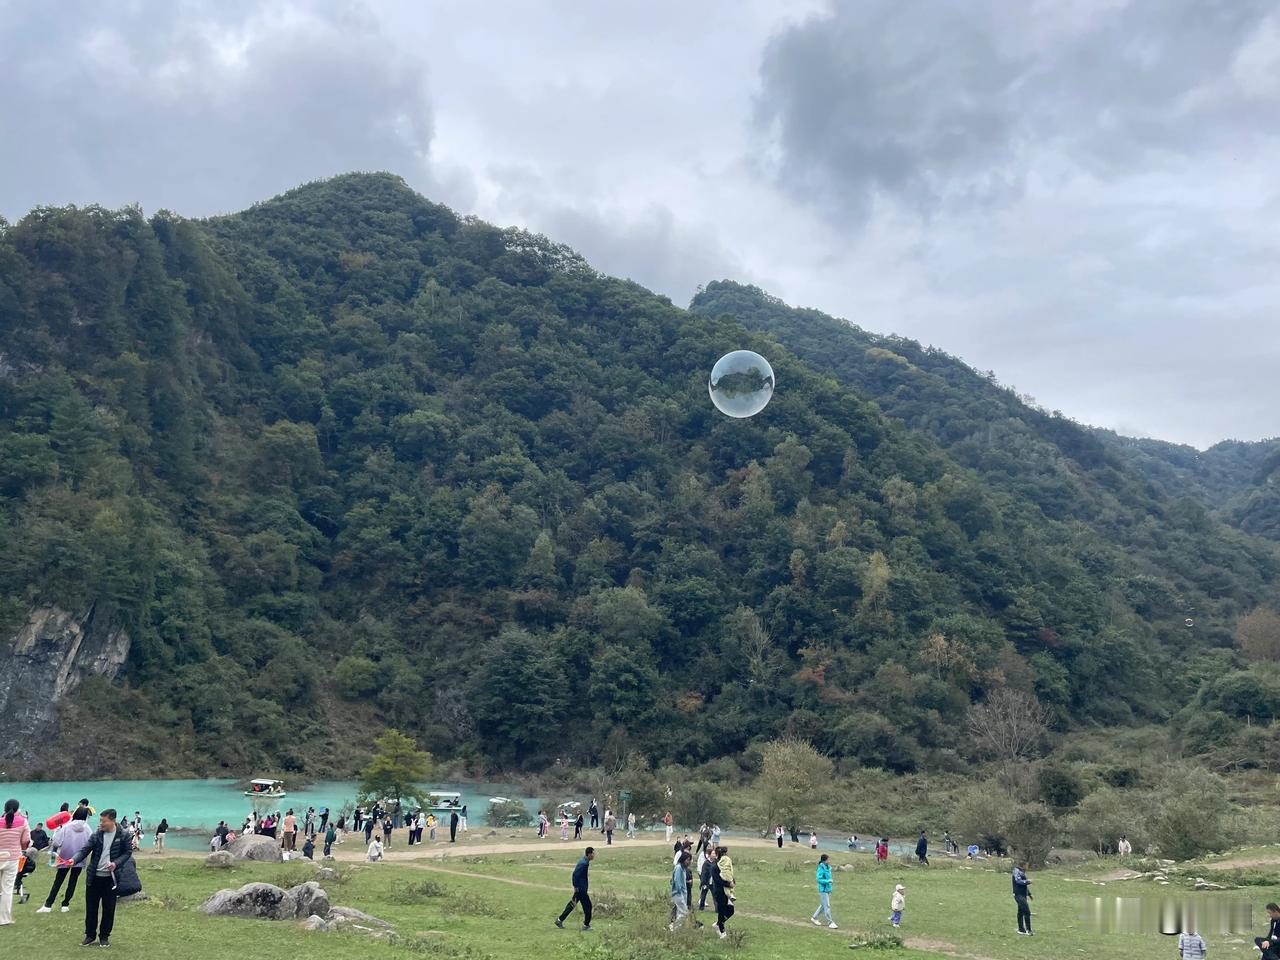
<point x="489" y="903"/>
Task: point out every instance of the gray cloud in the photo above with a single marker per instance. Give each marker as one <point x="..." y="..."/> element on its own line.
<point x="204" y="107"/>
<point x="933" y="103"/>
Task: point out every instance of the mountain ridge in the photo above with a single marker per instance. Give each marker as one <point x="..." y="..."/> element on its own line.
<point x="347" y="447"/>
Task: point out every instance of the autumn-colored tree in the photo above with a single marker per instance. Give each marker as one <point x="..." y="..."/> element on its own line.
<point x="1258" y="635"/>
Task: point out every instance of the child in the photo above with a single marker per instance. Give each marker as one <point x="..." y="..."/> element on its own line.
<point x="564" y="825"/>
<point x="726" y="873"/>
<point x="813" y="840"/>
<point x="882" y="850"/>
<point x="898" y="904"/>
<point x="27" y="864"/>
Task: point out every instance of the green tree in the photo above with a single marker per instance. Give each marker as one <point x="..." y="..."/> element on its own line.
<point x="793" y="778"/>
<point x="396" y="770"/>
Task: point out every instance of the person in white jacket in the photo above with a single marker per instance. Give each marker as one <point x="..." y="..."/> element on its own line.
<point x="68" y="840"/>
<point x="375" y="849"/>
<point x="1124" y="847"/>
<point x="898" y="904"/>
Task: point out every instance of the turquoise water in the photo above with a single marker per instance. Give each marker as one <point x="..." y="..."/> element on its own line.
<point x="194" y="807"/>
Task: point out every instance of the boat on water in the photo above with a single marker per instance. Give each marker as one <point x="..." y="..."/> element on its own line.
<point x="264" y="794"/>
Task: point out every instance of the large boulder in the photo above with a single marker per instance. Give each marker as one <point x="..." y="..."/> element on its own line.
<point x="257" y="901"/>
<point x="310" y="900"/>
<point x="222" y="859"/>
<point x="265" y="901"/>
<point x="256" y="847"/>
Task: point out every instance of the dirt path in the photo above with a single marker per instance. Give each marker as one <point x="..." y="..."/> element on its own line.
<point x="1237" y="863"/>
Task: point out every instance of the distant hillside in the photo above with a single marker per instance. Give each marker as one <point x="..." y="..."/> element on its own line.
<point x="1239" y="481"/>
<point x="347" y="459"/>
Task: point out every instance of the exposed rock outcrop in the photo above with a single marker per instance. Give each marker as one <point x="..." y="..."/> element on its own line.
<point x="46" y="660"/>
<point x="265" y="901"/>
<point x="255" y="847"/>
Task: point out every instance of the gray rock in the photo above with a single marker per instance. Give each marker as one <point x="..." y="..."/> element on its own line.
<point x="222" y="859"/>
<point x="309" y="900"/>
<point x="351" y="915"/>
<point x="48" y="657"/>
<point x="326" y="873"/>
<point x="258" y="901"/>
<point x="315" y="924"/>
<point x="254" y="847"/>
<point x="138" y="897"/>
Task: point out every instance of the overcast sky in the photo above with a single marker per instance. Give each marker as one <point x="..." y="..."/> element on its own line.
<point x="1078" y="194"/>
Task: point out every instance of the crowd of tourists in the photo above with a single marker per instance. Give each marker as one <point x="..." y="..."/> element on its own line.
<point x="87" y="849"/>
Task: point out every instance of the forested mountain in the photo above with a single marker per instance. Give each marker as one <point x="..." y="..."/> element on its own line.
<point x="1239" y="481"/>
<point x="347" y="458"/>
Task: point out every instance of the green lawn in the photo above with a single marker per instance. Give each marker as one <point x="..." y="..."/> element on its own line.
<point x="502" y="905"/>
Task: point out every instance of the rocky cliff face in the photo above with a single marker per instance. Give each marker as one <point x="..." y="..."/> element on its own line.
<point x="44" y="662"/>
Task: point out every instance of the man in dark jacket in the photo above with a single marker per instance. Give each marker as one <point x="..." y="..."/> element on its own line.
<point x="580" y="895"/>
<point x="1021" y="896"/>
<point x="922" y="849"/>
<point x="106" y="852"/>
<point x="453" y="827"/>
<point x="1270" y="944"/>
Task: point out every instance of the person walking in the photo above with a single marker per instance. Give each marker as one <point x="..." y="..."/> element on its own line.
<point x="882" y="851"/>
<point x="577" y="827"/>
<point x="1022" y="897"/>
<point x="105" y="853"/>
<point x="68" y="841"/>
<point x="161" y="830"/>
<point x="824" y="893"/>
<point x="386" y="830"/>
<point x="581" y="883"/>
<point x="721" y="885"/>
<point x="679" y="891"/>
<point x="375" y="851"/>
<point x="464" y="818"/>
<point x="453" y="827"/>
<point x="631" y="825"/>
<point x="778" y="834"/>
<point x="330" y="837"/>
<point x="594" y="813"/>
<point x="704" y="876"/>
<point x="897" y="904"/>
<point x="610" y="824"/>
<point x="668" y="822"/>
<point x="922" y="848"/>
<point x="15" y="837"/>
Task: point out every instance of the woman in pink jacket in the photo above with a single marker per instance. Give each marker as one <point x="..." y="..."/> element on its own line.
<point x="14" y="840"/>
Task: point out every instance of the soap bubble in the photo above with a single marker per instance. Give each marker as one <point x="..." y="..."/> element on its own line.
<point x="1189" y="622"/>
<point x="741" y="384"/>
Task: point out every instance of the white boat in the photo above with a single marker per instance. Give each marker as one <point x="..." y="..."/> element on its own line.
<point x="499" y="800"/>
<point x="264" y="794"/>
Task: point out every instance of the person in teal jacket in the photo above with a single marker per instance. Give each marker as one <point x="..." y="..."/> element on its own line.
<point x="824" y="893"/>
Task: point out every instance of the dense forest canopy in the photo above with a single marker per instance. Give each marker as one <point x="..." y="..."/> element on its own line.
<point x="347" y="459"/>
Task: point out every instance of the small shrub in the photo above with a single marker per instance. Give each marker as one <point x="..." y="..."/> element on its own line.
<point x="472" y="905"/>
<point x="508" y="813"/>
<point x="407" y="894"/>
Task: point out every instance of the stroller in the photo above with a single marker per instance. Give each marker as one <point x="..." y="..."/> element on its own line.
<point x="27" y="864"/>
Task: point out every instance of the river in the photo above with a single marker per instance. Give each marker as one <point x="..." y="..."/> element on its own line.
<point x="194" y="807"/>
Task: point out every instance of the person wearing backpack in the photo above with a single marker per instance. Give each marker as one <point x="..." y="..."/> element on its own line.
<point x="106" y="855"/>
